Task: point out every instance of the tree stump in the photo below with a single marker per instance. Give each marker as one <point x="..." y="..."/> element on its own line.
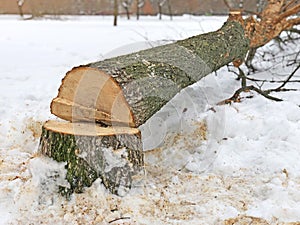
<point x="113" y="154"/>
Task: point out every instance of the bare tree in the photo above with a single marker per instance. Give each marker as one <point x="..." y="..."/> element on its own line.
<point x="116" y="12"/>
<point x="160" y="4"/>
<point x="139" y="4"/>
<point x="20" y="7"/>
<point x="170" y="9"/>
<point x="126" y="5"/>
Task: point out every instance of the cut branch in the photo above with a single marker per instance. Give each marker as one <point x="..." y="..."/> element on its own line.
<point x="266" y="93"/>
<point x="236" y="96"/>
<point x="288" y="79"/>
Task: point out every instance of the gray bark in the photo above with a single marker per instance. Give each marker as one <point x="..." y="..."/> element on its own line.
<point x="150" y="78"/>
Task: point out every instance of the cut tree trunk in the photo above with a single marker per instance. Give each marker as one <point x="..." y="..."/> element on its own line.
<point x="113" y="154"/>
<point x="127" y="90"/>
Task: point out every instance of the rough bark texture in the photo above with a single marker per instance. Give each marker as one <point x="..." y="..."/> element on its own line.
<point x="150" y="78"/>
<point x="113" y="158"/>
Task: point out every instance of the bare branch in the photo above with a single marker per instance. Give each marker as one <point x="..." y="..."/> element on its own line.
<point x="286" y="6"/>
<point x="236" y="96"/>
<point x="291" y="11"/>
<point x="227" y="4"/>
<point x="288" y="79"/>
<point x="121" y="218"/>
<point x="293" y="22"/>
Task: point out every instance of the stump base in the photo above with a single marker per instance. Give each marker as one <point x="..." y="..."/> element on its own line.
<point x="113" y="154"/>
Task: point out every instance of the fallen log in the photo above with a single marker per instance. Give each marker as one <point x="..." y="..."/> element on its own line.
<point x="127" y="90"/>
<point x="113" y="154"/>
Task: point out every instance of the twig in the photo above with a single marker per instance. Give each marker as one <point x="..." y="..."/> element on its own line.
<point x="282" y="90"/>
<point x="294" y="10"/>
<point x="288" y="5"/>
<point x="271" y="81"/>
<point x="294" y="30"/>
<point x="236" y="95"/>
<point x="243" y="77"/>
<point x="121" y="218"/>
<point x="227" y="4"/>
<point x="265" y="93"/>
<point x="289" y="78"/>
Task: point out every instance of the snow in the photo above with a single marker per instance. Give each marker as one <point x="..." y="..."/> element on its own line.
<point x="210" y="162"/>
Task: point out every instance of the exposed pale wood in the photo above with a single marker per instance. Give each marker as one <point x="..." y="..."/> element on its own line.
<point x="91" y="152"/>
<point x="71" y="111"/>
<point x="88" y="129"/>
<point x="90" y="94"/>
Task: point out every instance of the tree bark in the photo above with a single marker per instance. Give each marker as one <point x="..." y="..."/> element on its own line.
<point x="136" y="86"/>
<point x="21" y="11"/>
<point x="91" y="152"/>
<point x="116" y="12"/>
<point x="170" y="10"/>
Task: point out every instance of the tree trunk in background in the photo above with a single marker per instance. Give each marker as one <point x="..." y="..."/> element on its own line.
<point x="91" y="152"/>
<point x="137" y="10"/>
<point x="139" y="5"/>
<point x="126" y="5"/>
<point x="160" y="10"/>
<point x="116" y="12"/>
<point x="20" y="7"/>
<point x="127" y="13"/>
<point x="127" y="90"/>
<point x="170" y="10"/>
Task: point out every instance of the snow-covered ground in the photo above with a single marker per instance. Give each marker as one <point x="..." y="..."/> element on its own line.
<point x="210" y="163"/>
